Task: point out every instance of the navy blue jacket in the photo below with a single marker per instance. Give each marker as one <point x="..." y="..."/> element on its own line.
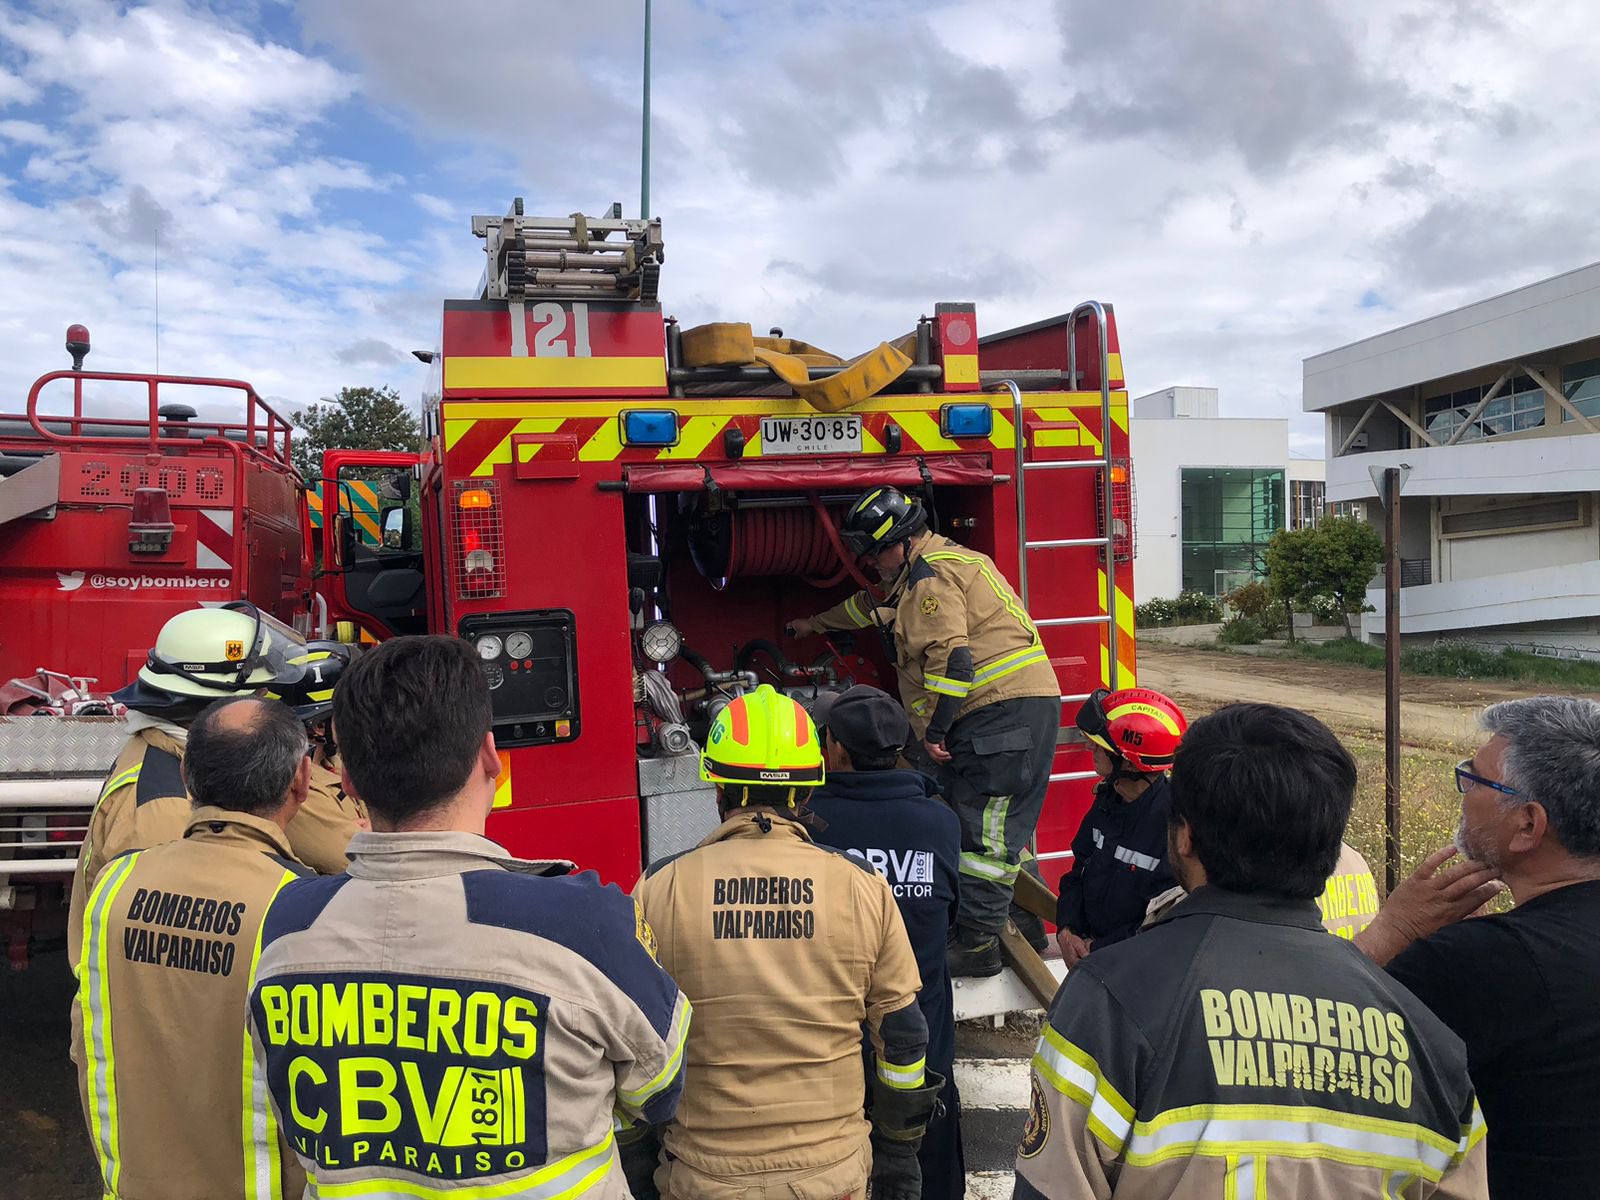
<point x="1119" y="864"/>
<point x="893" y="821"/>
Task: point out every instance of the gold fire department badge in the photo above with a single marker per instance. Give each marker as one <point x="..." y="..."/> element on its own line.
<point x="642" y="930"/>
<point x="930" y="605"/>
<point x="1037" y="1130"/>
<point x="234" y="651"/>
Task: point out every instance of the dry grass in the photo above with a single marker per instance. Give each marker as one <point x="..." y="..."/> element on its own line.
<point x="1429" y="803"/>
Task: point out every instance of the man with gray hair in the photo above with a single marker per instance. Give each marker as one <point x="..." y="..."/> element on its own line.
<point x="1521" y="988"/>
<point x="169" y="949"/>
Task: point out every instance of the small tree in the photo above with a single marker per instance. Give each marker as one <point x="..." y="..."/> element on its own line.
<point x="1335" y="558"/>
<point x="1286" y="564"/>
<point x="357" y="418"/>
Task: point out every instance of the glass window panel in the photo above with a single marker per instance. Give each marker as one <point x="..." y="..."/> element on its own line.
<point x="1580" y="375"/>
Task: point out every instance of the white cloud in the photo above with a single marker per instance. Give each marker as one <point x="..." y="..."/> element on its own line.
<point x="434" y="206"/>
<point x="1233" y="184"/>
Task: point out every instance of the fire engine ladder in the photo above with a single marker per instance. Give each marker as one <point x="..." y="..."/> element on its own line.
<point x="1102" y="465"/>
<point x="569" y="258"/>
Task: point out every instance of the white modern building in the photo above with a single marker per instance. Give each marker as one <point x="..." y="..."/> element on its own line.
<point x="1495" y="408"/>
<point x="1211" y="491"/>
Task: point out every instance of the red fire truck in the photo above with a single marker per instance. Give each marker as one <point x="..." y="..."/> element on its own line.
<point x="109" y="524"/>
<point x="621" y="515"/>
<point x="622" y="528"/>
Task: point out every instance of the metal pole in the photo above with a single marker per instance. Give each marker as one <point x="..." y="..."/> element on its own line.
<point x="1391" y="677"/>
<point x="644" y="141"/>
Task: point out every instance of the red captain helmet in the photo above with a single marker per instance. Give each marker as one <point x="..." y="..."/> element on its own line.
<point x="1138" y="725"/>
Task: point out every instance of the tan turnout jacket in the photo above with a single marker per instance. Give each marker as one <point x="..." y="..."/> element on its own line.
<point x="960" y="631"/>
<point x="786" y="949"/>
<point x="144" y="803"/>
<point x="158" y="1025"/>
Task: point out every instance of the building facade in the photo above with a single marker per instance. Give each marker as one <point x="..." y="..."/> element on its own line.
<point x="1212" y="491"/>
<point x="1495" y="409"/>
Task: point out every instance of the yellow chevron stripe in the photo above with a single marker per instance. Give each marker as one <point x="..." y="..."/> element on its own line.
<point x="502" y="452"/>
<point x="923" y="428"/>
<point x="695" y="435"/>
<point x="605" y="445"/>
<point x="1124" y="604"/>
<point x="1004" y="436"/>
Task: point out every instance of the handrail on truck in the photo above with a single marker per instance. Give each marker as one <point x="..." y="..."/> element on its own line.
<point x="263" y="435"/>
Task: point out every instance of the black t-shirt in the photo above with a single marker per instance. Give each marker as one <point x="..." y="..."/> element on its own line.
<point x="1522" y="990"/>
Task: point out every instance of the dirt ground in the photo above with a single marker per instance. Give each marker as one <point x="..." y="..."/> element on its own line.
<point x="1435" y="713"/>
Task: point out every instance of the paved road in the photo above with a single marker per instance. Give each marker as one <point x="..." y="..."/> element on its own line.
<point x="45" y="1152"/>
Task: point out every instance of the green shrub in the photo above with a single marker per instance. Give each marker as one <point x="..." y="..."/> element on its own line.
<point x="1153" y="614"/>
<point x="1242" y="631"/>
<point x="1324" y="609"/>
<point x="1190" y="608"/>
<point x="1197" y="608"/>
<point x="1351" y="651"/>
<point x="1461" y="660"/>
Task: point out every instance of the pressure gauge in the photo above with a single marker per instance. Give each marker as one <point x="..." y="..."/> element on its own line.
<point x="519" y="645"/>
<point x="660" y="641"/>
<point x="488" y="647"/>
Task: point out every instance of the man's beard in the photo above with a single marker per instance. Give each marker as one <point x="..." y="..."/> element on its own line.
<point x="1474" y="848"/>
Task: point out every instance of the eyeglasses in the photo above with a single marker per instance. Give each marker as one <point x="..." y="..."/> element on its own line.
<point x="1467" y="778"/>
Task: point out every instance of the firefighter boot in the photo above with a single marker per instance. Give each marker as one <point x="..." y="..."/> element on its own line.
<point x="974" y="954"/>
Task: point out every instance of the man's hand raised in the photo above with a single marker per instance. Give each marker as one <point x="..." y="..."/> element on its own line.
<point x="1427" y="900"/>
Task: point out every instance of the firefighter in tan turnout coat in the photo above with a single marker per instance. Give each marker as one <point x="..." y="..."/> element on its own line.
<point x="978" y="684"/>
<point x="168" y="949"/>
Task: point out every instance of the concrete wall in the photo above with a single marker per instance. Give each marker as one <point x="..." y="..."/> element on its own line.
<point x="1519" y="324"/>
<point x="1543" y="596"/>
<point x="1484" y="555"/>
<point x="1495" y="466"/>
<point x="1162" y="449"/>
<point x="1173" y="402"/>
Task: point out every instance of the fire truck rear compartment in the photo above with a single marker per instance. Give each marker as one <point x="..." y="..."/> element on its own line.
<point x="736" y="565"/>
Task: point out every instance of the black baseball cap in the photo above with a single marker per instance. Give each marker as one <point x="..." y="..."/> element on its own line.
<point x="864" y="720"/>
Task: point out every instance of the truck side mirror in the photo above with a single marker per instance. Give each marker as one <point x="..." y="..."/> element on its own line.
<point x="397" y="530"/>
<point x="397" y="486"/>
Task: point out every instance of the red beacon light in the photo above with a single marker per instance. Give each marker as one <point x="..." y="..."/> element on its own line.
<point x="77" y="344"/>
<point x="150" y="529"/>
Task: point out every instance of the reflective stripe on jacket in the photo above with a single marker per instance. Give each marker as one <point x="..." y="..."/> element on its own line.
<point x="158" y="1035"/>
<point x="446" y="1020"/>
<point x="960" y="631"/>
<point x="1236" y="1050"/>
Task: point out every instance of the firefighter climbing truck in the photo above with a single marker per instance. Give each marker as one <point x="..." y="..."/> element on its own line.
<point x="621" y="515"/>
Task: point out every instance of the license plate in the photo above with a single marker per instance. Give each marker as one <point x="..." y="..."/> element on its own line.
<point x="811" y="435"/>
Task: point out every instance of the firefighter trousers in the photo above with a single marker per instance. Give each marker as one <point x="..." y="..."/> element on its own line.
<point x="996" y="779"/>
<point x="843" y="1180"/>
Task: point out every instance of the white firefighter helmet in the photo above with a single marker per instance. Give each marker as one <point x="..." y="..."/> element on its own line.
<point x="212" y="653"/>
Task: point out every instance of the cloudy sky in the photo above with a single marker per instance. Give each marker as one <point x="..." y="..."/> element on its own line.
<point x="1248" y="181"/>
